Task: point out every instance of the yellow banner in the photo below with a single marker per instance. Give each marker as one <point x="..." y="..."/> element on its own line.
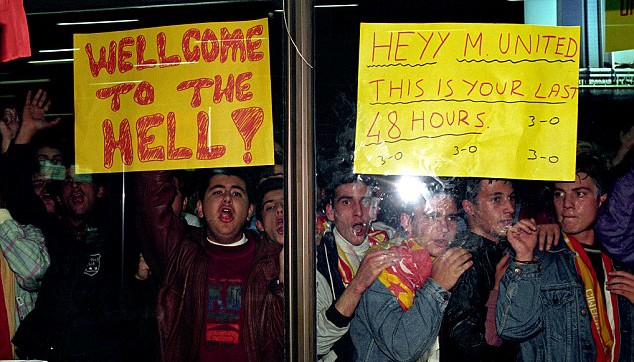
<point x="185" y="96"/>
<point x="619" y="25"/>
<point x="483" y="100"/>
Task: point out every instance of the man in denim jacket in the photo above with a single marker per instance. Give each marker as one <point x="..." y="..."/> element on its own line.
<point x="563" y="304"/>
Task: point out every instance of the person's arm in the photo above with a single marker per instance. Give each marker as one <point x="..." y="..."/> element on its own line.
<point x="519" y="309"/>
<point x="403" y="335"/>
<point x="25" y="251"/>
<point x="615" y="222"/>
<point x="331" y="325"/>
<point x="160" y="230"/>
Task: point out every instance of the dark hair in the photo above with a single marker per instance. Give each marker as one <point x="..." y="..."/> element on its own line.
<point x="432" y="187"/>
<point x="594" y="163"/>
<point x="204" y="175"/>
<point x="470" y="187"/>
<point x="271" y="184"/>
<point x="341" y="173"/>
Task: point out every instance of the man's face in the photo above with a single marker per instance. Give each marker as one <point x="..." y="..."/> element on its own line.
<point x="492" y="215"/>
<point x="41" y="186"/>
<point x="272" y="223"/>
<point x="435" y="223"/>
<point x="225" y="207"/>
<point x="79" y="197"/>
<point x="577" y="204"/>
<point x="51" y="154"/>
<point x="351" y="211"/>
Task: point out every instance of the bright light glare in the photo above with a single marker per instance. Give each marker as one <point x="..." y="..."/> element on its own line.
<point x="409" y="189"/>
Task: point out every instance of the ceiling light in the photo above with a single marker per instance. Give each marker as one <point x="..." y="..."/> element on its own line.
<point x="99" y="22"/>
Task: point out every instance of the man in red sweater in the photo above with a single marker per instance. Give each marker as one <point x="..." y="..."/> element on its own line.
<point x="221" y="298"/>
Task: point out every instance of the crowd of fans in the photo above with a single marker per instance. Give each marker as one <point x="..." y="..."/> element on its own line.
<point x="407" y="268"/>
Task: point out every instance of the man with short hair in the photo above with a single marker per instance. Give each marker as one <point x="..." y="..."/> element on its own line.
<point x="344" y="269"/>
<point x="489" y="205"/>
<point x="399" y="316"/>
<point x="570" y="303"/>
<point x="269" y="209"/>
<point x="220" y="296"/>
<point x="78" y="315"/>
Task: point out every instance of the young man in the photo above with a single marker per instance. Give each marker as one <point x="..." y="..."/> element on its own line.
<point x="563" y="304"/>
<point x="77" y="315"/>
<point x="220" y="296"/>
<point x="399" y="316"/>
<point x="489" y="205"/>
<point x="344" y="269"/>
<point x="270" y="210"/>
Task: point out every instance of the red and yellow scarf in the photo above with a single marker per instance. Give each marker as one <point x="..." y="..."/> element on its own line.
<point x="606" y="337"/>
<point x="347" y="268"/>
<point x="404" y="278"/>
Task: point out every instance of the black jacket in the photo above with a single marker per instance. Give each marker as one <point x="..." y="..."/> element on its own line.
<point x="462" y="331"/>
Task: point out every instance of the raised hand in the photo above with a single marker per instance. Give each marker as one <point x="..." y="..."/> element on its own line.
<point x="33" y="116"/>
<point x="448" y="267"/>
<point x="523" y="239"/>
<point x="371" y="266"/>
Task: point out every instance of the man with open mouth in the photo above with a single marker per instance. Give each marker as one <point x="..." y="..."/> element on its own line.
<point x="344" y="268"/>
<point x="221" y="295"/>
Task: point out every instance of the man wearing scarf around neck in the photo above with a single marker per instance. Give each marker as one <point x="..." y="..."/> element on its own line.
<point x="569" y="303"/>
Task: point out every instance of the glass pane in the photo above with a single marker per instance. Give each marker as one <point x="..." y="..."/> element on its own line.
<point x="414" y="215"/>
<point x="98" y="261"/>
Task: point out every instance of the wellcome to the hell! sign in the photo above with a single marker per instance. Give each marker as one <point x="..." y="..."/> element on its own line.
<point x="186" y="96"/>
<point x="483" y="100"/>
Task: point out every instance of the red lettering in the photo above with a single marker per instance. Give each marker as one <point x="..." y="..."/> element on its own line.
<point x="479" y="120"/>
<point x="233" y="41"/>
<point x="422" y="91"/>
<point x="197" y="84"/>
<point x="568" y="54"/>
<point x="210" y="47"/>
<point x="108" y="65"/>
<point x="242" y="94"/>
<point x="141" y="63"/>
<point x="421" y="120"/>
<point x="377" y="81"/>
<point x="143" y="124"/>
<point x="144" y="94"/>
<point x="165" y="61"/>
<point x="114" y="92"/>
<point x="486" y="92"/>
<point x="560" y="44"/>
<point x="516" y="84"/>
<point x="189" y="54"/>
<point x="173" y="152"/>
<point x="125" y="54"/>
<point x="478" y="42"/>
<point x="374" y="46"/>
<point x="431" y="119"/>
<point x="124" y="143"/>
<point x="205" y="151"/>
<point x="398" y="45"/>
<point x="227" y="91"/>
<point x="252" y="46"/>
<point x="508" y="43"/>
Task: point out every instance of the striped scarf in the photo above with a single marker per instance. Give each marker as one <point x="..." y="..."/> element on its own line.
<point x="404" y="278"/>
<point x="348" y="268"/>
<point x="605" y="337"/>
